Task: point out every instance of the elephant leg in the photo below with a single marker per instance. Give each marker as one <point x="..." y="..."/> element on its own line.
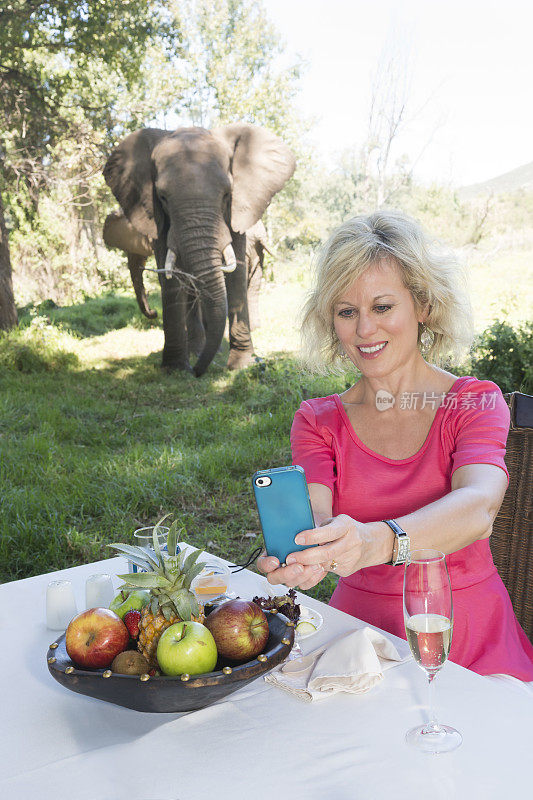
<point x="240" y="342"/>
<point x="255" y="277"/>
<point x="195" y="328"/>
<point x="136" y="265"/>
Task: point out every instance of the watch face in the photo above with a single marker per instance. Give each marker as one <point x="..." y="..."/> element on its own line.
<point x="403" y="549"/>
<point x="402" y="545"/>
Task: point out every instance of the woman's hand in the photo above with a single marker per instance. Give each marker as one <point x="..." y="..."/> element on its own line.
<point x="293" y="575"/>
<point x="344" y="546"/>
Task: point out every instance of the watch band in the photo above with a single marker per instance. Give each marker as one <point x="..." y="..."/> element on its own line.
<point x="403" y="544"/>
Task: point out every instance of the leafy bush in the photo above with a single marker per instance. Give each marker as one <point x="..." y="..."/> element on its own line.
<point x="504" y="354"/>
<point x="39" y="347"/>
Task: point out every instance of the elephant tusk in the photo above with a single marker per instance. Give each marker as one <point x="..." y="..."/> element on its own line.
<point x="170" y="262"/>
<point x="230" y="262"/>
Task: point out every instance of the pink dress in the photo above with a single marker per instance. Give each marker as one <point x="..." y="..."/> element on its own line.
<point x="470" y="427"/>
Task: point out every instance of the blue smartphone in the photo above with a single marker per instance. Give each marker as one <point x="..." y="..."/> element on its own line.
<point x="284" y="508"/>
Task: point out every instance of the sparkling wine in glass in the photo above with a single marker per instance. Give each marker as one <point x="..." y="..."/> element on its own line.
<point x="428" y="616"/>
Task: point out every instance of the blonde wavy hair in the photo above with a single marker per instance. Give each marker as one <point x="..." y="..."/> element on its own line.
<point x="432" y="275"/>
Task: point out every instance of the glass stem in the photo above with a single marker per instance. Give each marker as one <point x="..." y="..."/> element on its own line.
<point x="432" y="725"/>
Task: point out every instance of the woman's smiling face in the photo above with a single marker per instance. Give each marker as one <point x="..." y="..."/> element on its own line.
<point x="376" y="320"/>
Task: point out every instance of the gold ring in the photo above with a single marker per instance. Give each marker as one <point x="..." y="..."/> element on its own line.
<point x="333" y="566"/>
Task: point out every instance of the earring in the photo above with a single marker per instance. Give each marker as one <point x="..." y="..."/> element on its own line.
<point x="426" y="338"/>
<point x="340" y="352"/>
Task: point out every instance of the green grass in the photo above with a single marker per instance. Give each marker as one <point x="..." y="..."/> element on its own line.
<point x="98" y="444"/>
<point x="94" y="317"/>
<point x="501" y="286"/>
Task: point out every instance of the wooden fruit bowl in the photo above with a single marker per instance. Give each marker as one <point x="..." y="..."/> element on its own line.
<point x="162" y="694"/>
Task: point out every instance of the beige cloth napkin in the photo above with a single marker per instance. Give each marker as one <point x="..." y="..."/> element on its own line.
<point x="355" y="662"/>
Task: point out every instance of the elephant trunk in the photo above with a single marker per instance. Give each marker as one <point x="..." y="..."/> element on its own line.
<point x="201" y="255"/>
<point x="214" y="315"/>
<point x="136" y="266"/>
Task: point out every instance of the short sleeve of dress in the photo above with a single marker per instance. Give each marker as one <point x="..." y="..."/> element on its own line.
<point x="312" y="448"/>
<point x="481" y="424"/>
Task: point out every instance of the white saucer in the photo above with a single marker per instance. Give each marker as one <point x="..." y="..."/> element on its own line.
<point x="309" y="615"/>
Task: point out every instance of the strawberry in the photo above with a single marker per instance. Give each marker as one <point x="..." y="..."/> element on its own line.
<point x="131" y="620"/>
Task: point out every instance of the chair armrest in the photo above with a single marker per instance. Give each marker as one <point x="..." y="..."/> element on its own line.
<point x="522" y="410"/>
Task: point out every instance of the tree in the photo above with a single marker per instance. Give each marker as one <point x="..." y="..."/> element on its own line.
<point x="8" y="312"/>
<point x="52" y="55"/>
<point x="233" y="69"/>
<point x="98" y="69"/>
<point x="230" y="67"/>
<point x="387" y="117"/>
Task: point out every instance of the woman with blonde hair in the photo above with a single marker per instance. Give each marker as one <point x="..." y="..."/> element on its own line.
<point x="410" y="456"/>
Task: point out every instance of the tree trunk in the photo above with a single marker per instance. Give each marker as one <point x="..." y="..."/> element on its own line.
<point x="8" y="312"/>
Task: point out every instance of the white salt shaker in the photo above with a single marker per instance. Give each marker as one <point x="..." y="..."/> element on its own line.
<point x="60" y="605"/>
<point x="98" y="591"/>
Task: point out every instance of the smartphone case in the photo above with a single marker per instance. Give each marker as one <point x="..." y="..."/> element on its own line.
<point x="284" y="509"/>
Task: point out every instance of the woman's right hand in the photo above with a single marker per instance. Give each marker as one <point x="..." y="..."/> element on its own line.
<point x="304" y="576"/>
<point x="292" y="575"/>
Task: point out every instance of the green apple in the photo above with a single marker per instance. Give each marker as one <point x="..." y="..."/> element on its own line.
<point x="186" y="647"/>
<point x="128" y="600"/>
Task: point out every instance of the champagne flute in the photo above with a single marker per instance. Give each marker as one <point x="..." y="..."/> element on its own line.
<point x="428" y="617"/>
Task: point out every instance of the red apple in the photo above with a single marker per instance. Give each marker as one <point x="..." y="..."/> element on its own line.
<point x="239" y="628"/>
<point x="95" y="637"/>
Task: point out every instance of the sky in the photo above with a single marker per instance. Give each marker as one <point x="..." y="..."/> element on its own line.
<point x="470" y="70"/>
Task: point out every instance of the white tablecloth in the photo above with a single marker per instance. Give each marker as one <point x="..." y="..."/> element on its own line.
<point x="260" y="742"/>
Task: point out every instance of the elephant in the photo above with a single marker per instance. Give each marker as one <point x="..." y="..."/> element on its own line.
<point x="256" y="245"/>
<point x="119" y="233"/>
<point x="192" y="194"/>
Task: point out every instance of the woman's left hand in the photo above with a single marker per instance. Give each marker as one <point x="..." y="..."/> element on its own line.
<point x="344" y="546"/>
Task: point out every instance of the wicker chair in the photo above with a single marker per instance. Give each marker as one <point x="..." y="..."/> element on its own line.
<point x="512" y="536"/>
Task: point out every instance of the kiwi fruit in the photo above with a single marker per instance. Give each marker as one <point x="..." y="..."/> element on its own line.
<point x="130" y="662"/>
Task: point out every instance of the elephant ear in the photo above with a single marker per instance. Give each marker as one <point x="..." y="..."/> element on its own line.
<point x="128" y="173"/>
<point x="261" y="166"/>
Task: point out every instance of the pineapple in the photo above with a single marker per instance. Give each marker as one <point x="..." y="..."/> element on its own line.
<point x="168" y="579"/>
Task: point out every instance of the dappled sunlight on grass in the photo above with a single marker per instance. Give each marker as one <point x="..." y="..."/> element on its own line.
<point x="96" y="315"/>
<point x="103" y="351"/>
<point x="279" y="308"/>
